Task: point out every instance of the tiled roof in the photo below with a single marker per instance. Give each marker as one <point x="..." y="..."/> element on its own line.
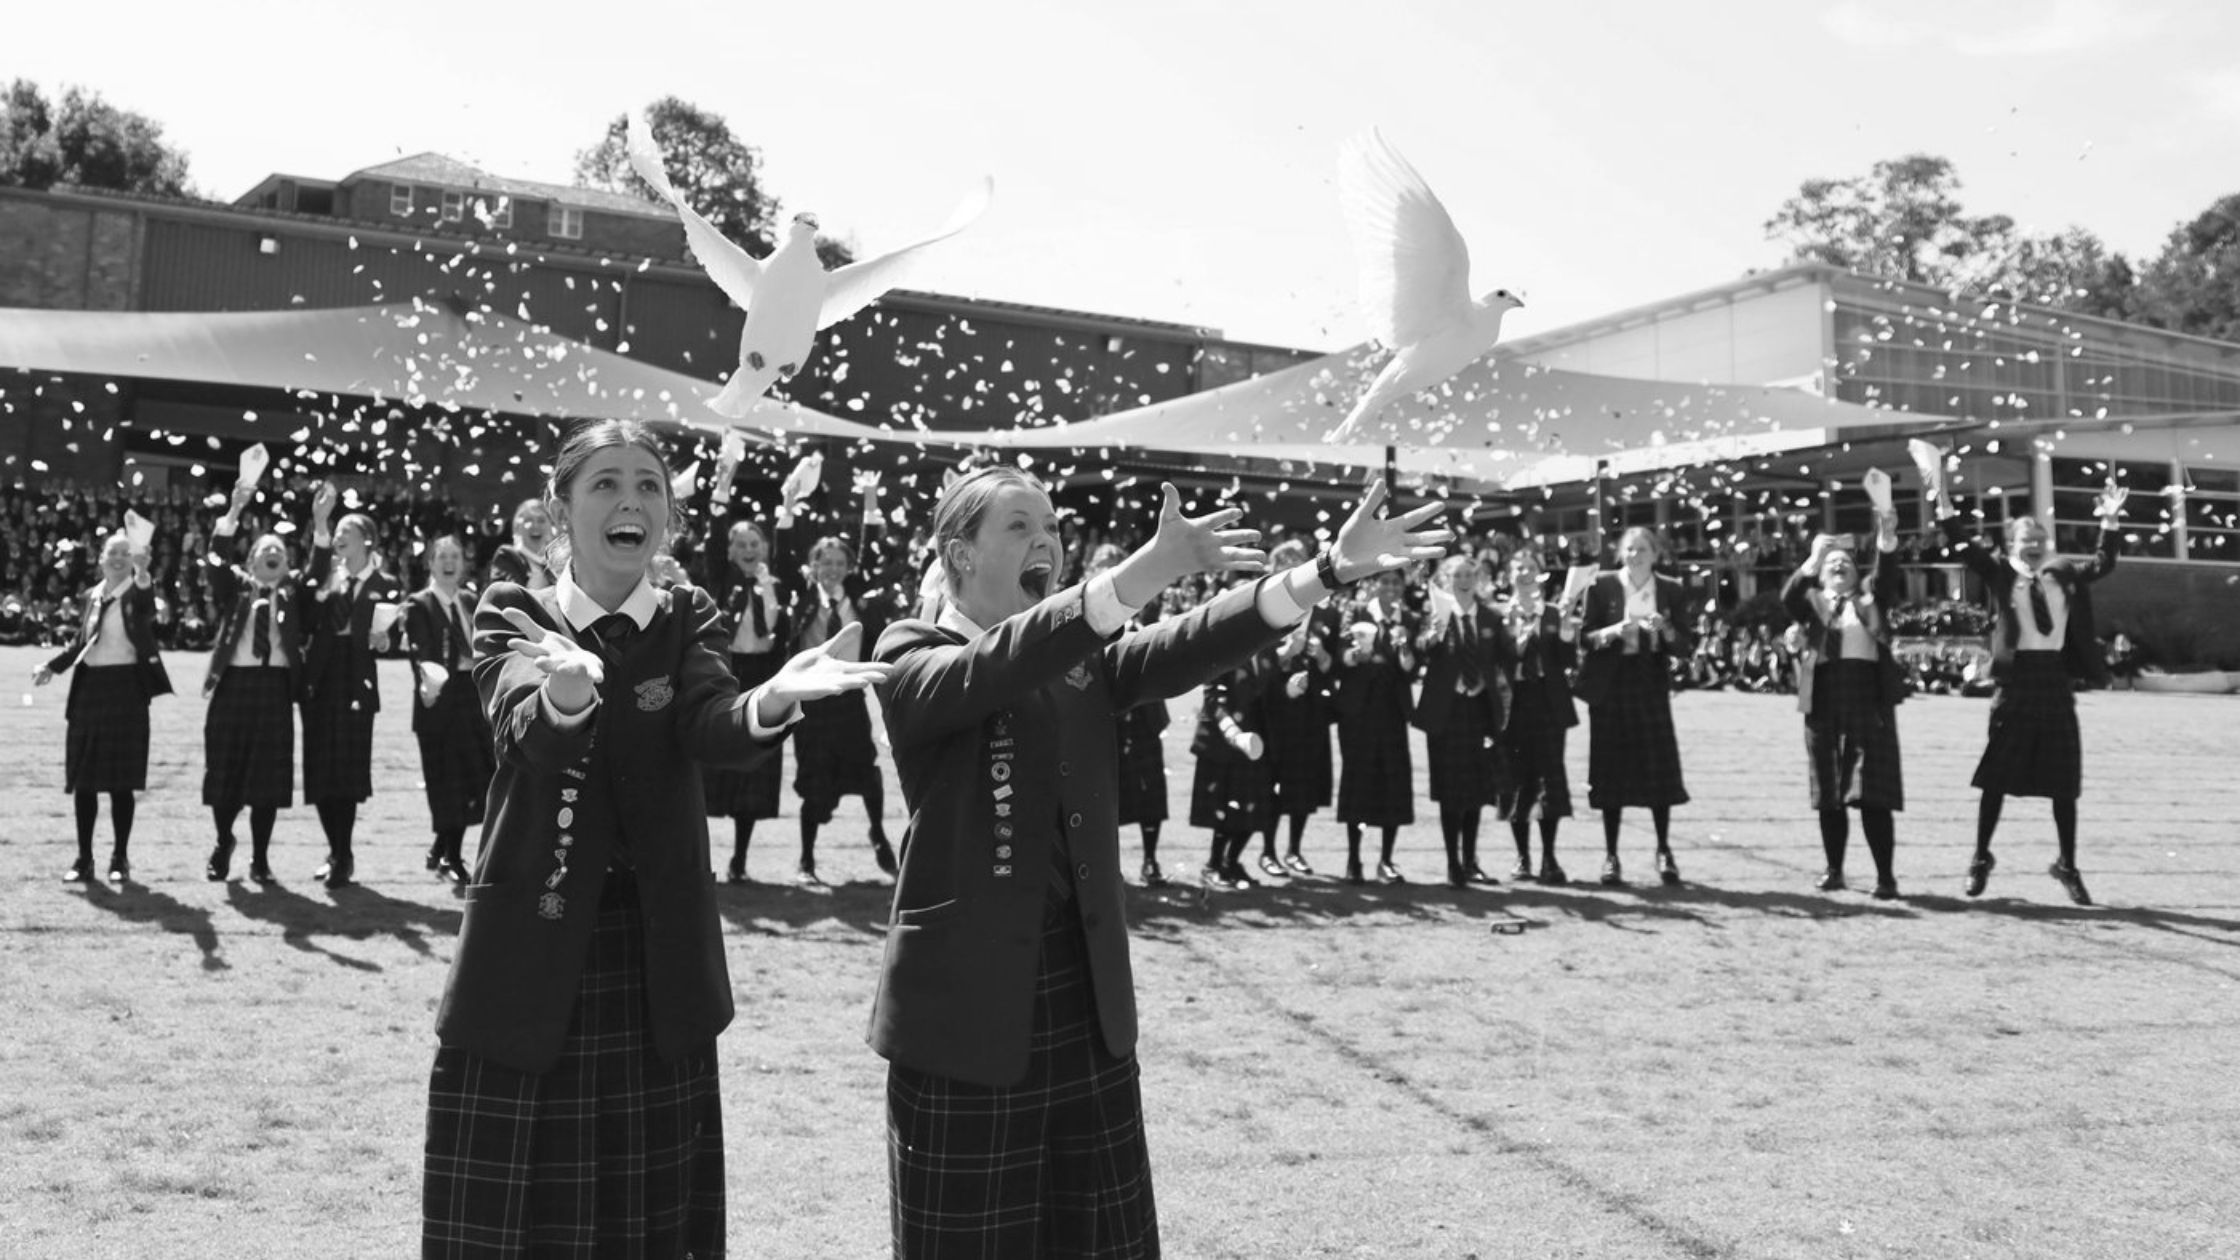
<point x="450" y="172"/>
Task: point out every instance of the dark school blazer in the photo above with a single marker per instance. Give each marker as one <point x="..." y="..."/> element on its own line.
<point x="1442" y="646"/>
<point x="340" y="630"/>
<point x="2081" y="654"/>
<point x="1887" y="581"/>
<point x="732" y="590"/>
<point x="1556" y="658"/>
<point x="1606" y="606"/>
<point x="956" y="986"/>
<point x="139" y="605"/>
<point x="232" y="589"/>
<point x="624" y="780"/>
<point x="427" y="637"/>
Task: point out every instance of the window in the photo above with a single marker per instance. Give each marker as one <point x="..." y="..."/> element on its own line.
<point x="565" y="222"/>
<point x="498" y="213"/>
<point x="400" y="200"/>
<point x="454" y="206"/>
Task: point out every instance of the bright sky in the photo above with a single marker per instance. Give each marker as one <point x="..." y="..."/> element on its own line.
<point x="1172" y="159"/>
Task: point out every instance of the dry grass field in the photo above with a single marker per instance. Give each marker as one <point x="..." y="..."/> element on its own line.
<point x="1740" y="1067"/>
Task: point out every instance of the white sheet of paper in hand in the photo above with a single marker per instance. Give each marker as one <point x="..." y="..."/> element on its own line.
<point x="734" y="447"/>
<point x="1443" y="602"/>
<point x="432" y="678"/>
<point x="138" y="530"/>
<point x="1575" y="583"/>
<point x="683" y="484"/>
<point x="385" y="616"/>
<point x="1877" y="483"/>
<point x="1929" y="459"/>
<point x="253" y="463"/>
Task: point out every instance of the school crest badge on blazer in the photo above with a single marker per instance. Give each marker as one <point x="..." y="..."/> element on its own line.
<point x="654" y="694"/>
<point x="1078" y="677"/>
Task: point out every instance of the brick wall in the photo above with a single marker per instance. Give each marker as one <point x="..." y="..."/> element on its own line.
<point x="65" y="257"/>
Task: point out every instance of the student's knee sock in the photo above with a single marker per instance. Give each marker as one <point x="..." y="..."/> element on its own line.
<point x="89" y="812"/>
<point x="2065" y="829"/>
<point x="1835" y="836"/>
<point x="121" y="808"/>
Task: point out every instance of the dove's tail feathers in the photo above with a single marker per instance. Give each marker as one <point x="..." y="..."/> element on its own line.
<point x="859" y="284"/>
<point x="645" y="158"/>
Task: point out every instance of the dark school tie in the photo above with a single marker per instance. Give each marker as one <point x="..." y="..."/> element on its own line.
<point x="1831" y="642"/>
<point x="610" y="636"/>
<point x="1473" y="674"/>
<point x="754" y="608"/>
<point x="97" y="607"/>
<point x="461" y="641"/>
<point x="260" y="640"/>
<point x="2039" y="608"/>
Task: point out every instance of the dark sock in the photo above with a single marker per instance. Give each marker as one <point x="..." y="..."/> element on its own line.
<point x="1882" y="841"/>
<point x="1470" y="820"/>
<point x="2065" y="829"/>
<point x="1610" y="831"/>
<point x="1450" y="834"/>
<point x="89" y="812"/>
<point x="1835" y="836"/>
<point x="1217" y="852"/>
<point x="1298" y="831"/>
<point x="1520" y="830"/>
<point x="222" y="816"/>
<point x="742" y="831"/>
<point x="1235" y="855"/>
<point x="261" y="820"/>
<point x="1150" y="842"/>
<point x="1987" y="821"/>
<point x="1353" y="844"/>
<point x="875" y="808"/>
<point x="1548" y="839"/>
<point x="1391" y="834"/>
<point x="449" y="842"/>
<point x="1661" y="816"/>
<point x="122" y="806"/>
<point x="808" y="845"/>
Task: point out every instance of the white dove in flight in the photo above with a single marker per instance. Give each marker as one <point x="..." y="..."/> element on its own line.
<point x="1415" y="279"/>
<point x="788" y="297"/>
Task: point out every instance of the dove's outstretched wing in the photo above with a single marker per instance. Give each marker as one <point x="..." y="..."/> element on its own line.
<point x="1415" y="268"/>
<point x="859" y="284"/>
<point x="734" y="270"/>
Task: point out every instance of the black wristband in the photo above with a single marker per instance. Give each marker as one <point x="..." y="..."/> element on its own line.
<point x="1326" y="568"/>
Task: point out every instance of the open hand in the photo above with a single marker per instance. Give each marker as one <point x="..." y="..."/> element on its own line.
<point x="1203" y="544"/>
<point x="2109" y="506"/>
<point x="322" y="504"/>
<point x="829" y="669"/>
<point x="572" y="673"/>
<point x="1369" y="544"/>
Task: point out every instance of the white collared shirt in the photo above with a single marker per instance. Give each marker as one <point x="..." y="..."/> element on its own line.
<point x="761" y="589"/>
<point x="1847" y="615"/>
<point x="110" y="645"/>
<point x="245" y="648"/>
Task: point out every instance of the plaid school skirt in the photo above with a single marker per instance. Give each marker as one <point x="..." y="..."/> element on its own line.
<point x="337" y="746"/>
<point x="1852" y="742"/>
<point x="748" y="793"/>
<point x="249" y="740"/>
<point x="105" y="748"/>
<point x="613" y="1153"/>
<point x="1230" y="794"/>
<point x="1055" y="1165"/>
<point x="1142" y="795"/>
<point x="1465" y="766"/>
<point x="1532" y="752"/>
<point x="1298" y="735"/>
<point x="833" y="754"/>
<point x="1376" y="786"/>
<point x="2034" y="749"/>
<point x="1633" y="758"/>
<point x="455" y="757"/>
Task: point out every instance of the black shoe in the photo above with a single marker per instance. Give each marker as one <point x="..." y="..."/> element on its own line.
<point x="336" y="872"/>
<point x="1239" y="878"/>
<point x="1272" y="868"/>
<point x="1667" y="869"/>
<point x="260" y="871"/>
<point x="121" y="870"/>
<point x="1353" y="871"/>
<point x="453" y="870"/>
<point x="1476" y="874"/>
<point x="1455" y="876"/>
<point x="1521" y="873"/>
<point x="1297" y="865"/>
<point x="80" y="872"/>
<point x="1551" y="875"/>
<point x="1613" y="876"/>
<point x="1153" y="877"/>
<point x="1830" y="881"/>
<point x="1886" y="890"/>
<point x="806" y="876"/>
<point x="435" y="859"/>
<point x="2071" y="880"/>
<point x="221" y="862"/>
<point x="883" y="854"/>
<point x="1216" y="879"/>
<point x="1387" y="873"/>
<point x="1979" y="874"/>
<point x="736" y="873"/>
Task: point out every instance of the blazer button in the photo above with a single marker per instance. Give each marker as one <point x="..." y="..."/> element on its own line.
<point x="1065" y="767"/>
<point x="1081" y="871"/>
<point x="1074" y="821"/>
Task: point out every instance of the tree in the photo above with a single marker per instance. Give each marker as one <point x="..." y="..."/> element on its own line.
<point x="716" y="173"/>
<point x="86" y="142"/>
<point x="1904" y="220"/>
<point x="2194" y="285"/>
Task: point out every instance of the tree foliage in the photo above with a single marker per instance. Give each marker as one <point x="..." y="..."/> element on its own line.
<point x="2194" y="285"/>
<point x="84" y="141"/>
<point x="1904" y="220"/>
<point x="717" y="174"/>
